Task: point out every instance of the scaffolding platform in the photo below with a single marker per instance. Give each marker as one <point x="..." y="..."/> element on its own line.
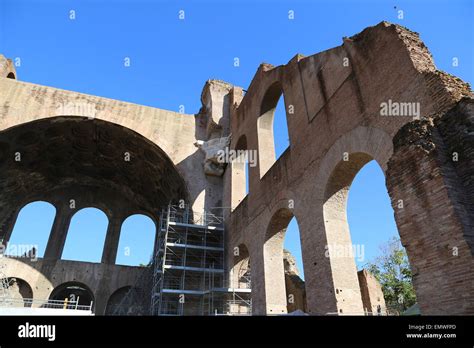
<point x="188" y="266"/>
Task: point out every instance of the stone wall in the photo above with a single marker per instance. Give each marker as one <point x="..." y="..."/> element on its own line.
<point x="294" y="285"/>
<point x="372" y="295"/>
<point x="335" y="128"/>
<point x="43" y="276"/>
<point x="430" y="181"/>
<point x="332" y="101"/>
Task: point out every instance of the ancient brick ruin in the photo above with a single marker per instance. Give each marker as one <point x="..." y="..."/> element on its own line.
<point x="332" y="101"/>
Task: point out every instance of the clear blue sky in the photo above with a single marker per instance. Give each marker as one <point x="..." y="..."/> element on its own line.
<point x="171" y="59"/>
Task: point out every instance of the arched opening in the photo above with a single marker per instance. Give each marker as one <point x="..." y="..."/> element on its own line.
<point x="86" y="236"/>
<point x="83" y="162"/>
<point x="72" y="292"/>
<point x="283" y="292"/>
<point x="377" y="247"/>
<point x="241" y="283"/>
<point x="11" y="75"/>
<point x="137" y="238"/>
<point x="116" y="300"/>
<point x="293" y="268"/>
<point x="272" y="128"/>
<point x="280" y="128"/>
<point x="240" y="172"/>
<point x="17" y="291"/>
<point x="357" y="292"/>
<point x="128" y="300"/>
<point x="369" y="212"/>
<point x="31" y="231"/>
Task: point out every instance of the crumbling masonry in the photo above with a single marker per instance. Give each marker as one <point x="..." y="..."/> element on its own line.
<point x="72" y="147"/>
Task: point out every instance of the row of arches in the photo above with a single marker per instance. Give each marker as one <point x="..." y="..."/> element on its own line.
<point x="86" y="235"/>
<point x="273" y="141"/>
<point x="21" y="290"/>
<point x="92" y="162"/>
<point x="357" y="206"/>
<point x="340" y="210"/>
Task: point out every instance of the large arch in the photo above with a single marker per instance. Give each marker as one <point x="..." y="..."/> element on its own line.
<point x="75" y="162"/>
<point x="17" y="268"/>
<point x="340" y="247"/>
<point x="276" y="300"/>
<point x="339" y="167"/>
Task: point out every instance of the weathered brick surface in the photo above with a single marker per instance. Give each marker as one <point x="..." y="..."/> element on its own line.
<point x="457" y="131"/>
<point x="337" y="112"/>
<point x="372" y="295"/>
<point x="335" y="127"/>
<point x="435" y="222"/>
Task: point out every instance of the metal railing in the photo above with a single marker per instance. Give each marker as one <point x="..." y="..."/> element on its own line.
<point x="55" y="304"/>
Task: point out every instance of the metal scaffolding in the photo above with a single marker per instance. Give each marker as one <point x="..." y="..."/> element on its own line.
<point x="188" y="266"/>
<point x="188" y="263"/>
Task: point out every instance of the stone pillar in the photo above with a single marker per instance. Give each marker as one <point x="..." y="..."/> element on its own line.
<point x="57" y="237"/>
<point x="238" y="182"/>
<point x="319" y="284"/>
<point x="7" y="229"/>
<point x="429" y="179"/>
<point x="112" y="238"/>
<point x="100" y="305"/>
<point x="275" y="290"/>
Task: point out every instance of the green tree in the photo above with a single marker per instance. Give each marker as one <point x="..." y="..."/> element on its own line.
<point x="393" y="272"/>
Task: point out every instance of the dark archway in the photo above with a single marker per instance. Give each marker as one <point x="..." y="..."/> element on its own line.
<point x="73" y="291"/>
<point x="116" y="300"/>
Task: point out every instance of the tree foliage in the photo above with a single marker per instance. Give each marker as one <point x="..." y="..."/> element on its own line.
<point x="393" y="272"/>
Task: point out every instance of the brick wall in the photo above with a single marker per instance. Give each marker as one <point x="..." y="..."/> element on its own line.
<point x="427" y="184"/>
